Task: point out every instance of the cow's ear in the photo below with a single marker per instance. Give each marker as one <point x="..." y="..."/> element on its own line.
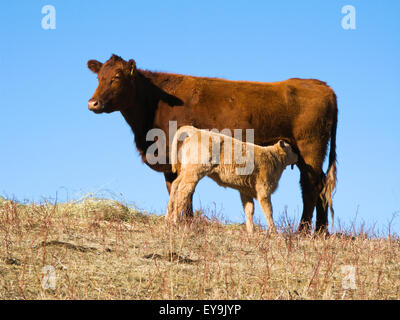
<point x="94" y="65"/>
<point x="131" y="67"/>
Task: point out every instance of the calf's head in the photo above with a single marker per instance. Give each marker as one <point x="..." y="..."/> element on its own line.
<point x="286" y="150"/>
<point x="116" y="84"/>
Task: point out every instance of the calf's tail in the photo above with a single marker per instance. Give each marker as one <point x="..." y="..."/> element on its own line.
<point x="174" y="152"/>
<point x="188" y="130"/>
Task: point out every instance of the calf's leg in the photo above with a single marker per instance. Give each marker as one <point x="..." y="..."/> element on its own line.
<point x="173" y="197"/>
<point x="185" y="192"/>
<point x="169" y="179"/>
<point x="266" y="206"/>
<point x="248" y="207"/>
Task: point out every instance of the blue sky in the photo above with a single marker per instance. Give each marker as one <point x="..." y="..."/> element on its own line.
<point x="50" y="144"/>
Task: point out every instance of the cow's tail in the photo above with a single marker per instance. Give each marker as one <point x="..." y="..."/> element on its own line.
<point x="330" y="180"/>
<point x="188" y="131"/>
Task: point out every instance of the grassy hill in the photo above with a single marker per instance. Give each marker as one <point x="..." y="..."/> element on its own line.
<point x="102" y="249"/>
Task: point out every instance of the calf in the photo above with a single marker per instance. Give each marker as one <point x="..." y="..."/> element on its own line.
<point x="204" y="153"/>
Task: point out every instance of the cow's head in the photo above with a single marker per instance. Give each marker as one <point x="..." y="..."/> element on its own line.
<point x="287" y="151"/>
<point x="115" y="84"/>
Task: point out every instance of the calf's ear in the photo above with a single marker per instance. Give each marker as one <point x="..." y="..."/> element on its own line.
<point x="282" y="143"/>
<point x="94" y="65"/>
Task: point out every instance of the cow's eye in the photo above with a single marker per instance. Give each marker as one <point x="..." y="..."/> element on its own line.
<point x="116" y="78"/>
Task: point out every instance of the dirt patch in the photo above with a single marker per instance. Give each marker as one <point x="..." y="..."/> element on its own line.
<point x="68" y="245"/>
<point x="171" y="257"/>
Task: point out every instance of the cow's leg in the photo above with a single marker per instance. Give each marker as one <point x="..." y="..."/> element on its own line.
<point x="310" y="195"/>
<point x="311" y="174"/>
<point x="322" y="215"/>
<point x="248" y="207"/>
<point x="169" y="179"/>
<point x="311" y="188"/>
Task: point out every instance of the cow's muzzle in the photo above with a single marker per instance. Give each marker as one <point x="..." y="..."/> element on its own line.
<point x="96" y="105"/>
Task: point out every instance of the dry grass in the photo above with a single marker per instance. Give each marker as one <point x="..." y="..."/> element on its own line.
<point x="102" y="249"/>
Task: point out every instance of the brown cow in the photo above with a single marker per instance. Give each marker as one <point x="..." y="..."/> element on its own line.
<point x="302" y="112"/>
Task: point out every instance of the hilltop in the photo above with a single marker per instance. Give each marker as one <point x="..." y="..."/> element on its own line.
<point x="104" y="249"/>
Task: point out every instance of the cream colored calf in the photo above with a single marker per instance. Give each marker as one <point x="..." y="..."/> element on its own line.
<point x="204" y="153"/>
